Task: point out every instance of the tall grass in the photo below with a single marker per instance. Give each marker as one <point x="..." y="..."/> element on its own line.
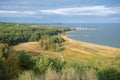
<point x="28" y="75"/>
<point x="66" y="74"/>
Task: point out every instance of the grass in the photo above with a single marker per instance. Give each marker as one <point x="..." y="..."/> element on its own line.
<point x="77" y="49"/>
<point x="35" y="48"/>
<point x="74" y="50"/>
<point x="66" y="74"/>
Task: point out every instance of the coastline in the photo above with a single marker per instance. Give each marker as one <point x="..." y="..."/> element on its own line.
<point x="67" y="38"/>
<point x="67" y="35"/>
<point x="89" y="49"/>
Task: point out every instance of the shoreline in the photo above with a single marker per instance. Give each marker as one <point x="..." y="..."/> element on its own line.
<point x="67" y="34"/>
<point x="85" y="48"/>
<point x="94" y="43"/>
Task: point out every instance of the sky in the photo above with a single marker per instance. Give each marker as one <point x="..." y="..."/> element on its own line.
<point x="60" y="11"/>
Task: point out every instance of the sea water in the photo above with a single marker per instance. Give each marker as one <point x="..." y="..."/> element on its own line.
<point x="103" y="34"/>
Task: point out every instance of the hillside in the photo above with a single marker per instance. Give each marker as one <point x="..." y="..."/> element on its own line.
<point x="35" y="48"/>
<point x="77" y="49"/>
<point x="74" y="50"/>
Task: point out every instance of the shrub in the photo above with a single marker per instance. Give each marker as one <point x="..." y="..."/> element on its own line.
<point x="10" y="67"/>
<point x="41" y="64"/>
<point x="1" y="74"/>
<point x="57" y="39"/>
<point x="25" y="61"/>
<point x="109" y="73"/>
<point x="4" y="49"/>
<point x="56" y="64"/>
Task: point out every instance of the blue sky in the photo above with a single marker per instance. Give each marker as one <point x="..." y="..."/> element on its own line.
<point x="60" y="11"/>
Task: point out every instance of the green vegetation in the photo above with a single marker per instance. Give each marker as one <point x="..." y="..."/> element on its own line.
<point x="56" y="64"/>
<point x="25" y="61"/>
<point x="14" y="34"/>
<point x="28" y="75"/>
<point x="41" y="65"/>
<point x="11" y="67"/>
<point x="22" y="65"/>
<point x="52" y="43"/>
<point x="4" y="49"/>
<point x="109" y="73"/>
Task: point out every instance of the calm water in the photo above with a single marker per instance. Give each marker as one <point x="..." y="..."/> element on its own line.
<point x="103" y="33"/>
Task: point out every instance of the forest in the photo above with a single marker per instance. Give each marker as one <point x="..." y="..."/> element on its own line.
<point x="24" y="65"/>
<point x="13" y="34"/>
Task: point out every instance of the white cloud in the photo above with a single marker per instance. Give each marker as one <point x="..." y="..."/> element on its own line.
<point x="5" y="13"/>
<point x="17" y="12"/>
<point x="89" y="10"/>
<point x="8" y="12"/>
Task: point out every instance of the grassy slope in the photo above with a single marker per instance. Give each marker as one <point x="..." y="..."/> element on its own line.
<point x="35" y="48"/>
<point x="74" y="50"/>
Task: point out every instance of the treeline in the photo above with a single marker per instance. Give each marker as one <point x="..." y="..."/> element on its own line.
<point x="16" y="33"/>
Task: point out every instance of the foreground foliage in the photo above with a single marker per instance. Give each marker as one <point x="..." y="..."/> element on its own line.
<point x="11" y="67"/>
<point x="109" y="73"/>
<point x="25" y="61"/>
<point x="46" y="68"/>
<point x="27" y="75"/>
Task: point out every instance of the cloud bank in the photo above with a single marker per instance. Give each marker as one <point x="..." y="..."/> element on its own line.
<point x="76" y="11"/>
<point x="89" y="10"/>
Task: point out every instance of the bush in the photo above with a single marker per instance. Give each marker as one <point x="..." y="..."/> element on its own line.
<point x="25" y="61"/>
<point x="41" y="64"/>
<point x="4" y="49"/>
<point x="109" y="73"/>
<point x="56" y="64"/>
<point x="10" y="67"/>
